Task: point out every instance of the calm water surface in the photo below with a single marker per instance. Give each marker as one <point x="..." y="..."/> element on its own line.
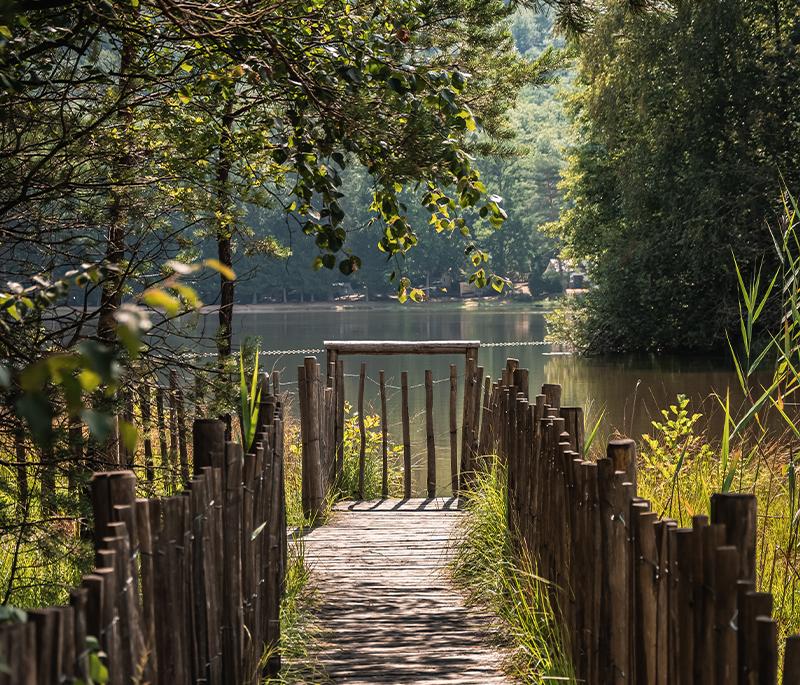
<point x="629" y="389"/>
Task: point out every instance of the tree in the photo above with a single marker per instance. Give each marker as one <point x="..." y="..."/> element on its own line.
<point x="688" y="127"/>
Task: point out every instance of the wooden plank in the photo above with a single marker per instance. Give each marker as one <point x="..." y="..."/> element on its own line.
<point x="387" y="608"/>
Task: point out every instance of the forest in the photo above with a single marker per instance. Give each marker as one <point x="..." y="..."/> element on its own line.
<point x="164" y="163"/>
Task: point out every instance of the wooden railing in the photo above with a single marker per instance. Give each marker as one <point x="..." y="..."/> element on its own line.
<point x="640" y="599"/>
<point x="322" y="416"/>
<point x="185" y="589"/>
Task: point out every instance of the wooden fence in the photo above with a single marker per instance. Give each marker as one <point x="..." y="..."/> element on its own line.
<point x="322" y="417"/>
<point x="185" y="589"/>
<point x="641" y="600"/>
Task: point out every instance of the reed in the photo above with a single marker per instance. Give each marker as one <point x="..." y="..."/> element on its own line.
<point x="494" y="575"/>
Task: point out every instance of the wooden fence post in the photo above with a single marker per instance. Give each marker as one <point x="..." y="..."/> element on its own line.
<point x="470" y="369"/>
<point x="623" y="454"/>
<point x="362" y="456"/>
<point x="738" y="513"/>
<point x="384" y="438"/>
<point x="791" y="661"/>
<point x="339" y="418"/>
<point x="233" y="618"/>
<point x="614" y="665"/>
<point x="406" y="435"/>
<point x="313" y="466"/>
<point x="208" y="444"/>
<point x="161" y="426"/>
<point x="430" y="442"/>
<point x="453" y="430"/>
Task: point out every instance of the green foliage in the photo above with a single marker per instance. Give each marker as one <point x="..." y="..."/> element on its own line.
<point x="62" y="377"/>
<point x="681" y="469"/>
<point x="347" y="486"/>
<point x="98" y="673"/>
<point x="250" y="399"/>
<point x="685" y="119"/>
<point x="300" y="634"/>
<point x="492" y="573"/>
<point x="676" y="454"/>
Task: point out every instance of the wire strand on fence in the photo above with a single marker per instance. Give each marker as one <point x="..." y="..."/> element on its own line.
<point x="318" y="350"/>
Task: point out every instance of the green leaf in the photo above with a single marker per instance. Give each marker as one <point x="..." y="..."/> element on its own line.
<point x="587" y="443"/>
<point x="258" y="531"/>
<point x="160" y="299"/>
<point x="219" y="267"/>
<point x="98" y="673"/>
<point x="128" y="435"/>
<point x="189" y="295"/>
<point x="35" y="408"/>
<point x="100" y="425"/>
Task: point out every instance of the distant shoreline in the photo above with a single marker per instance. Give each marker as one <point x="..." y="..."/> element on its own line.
<point x="471" y="303"/>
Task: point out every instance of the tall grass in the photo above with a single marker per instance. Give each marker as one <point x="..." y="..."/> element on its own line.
<point x="300" y="634"/>
<point x="680" y="468"/>
<point x="757" y="449"/>
<point x="373" y="459"/>
<point x="494" y="575"/>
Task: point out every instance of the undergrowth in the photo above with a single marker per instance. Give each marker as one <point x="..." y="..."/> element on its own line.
<point x="373" y="459"/>
<point x="300" y="634"/>
<point x="493" y="575"/>
<point x="680" y="468"/>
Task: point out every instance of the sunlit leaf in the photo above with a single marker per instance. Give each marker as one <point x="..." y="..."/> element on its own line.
<point x="160" y="299"/>
<point x="220" y="268"/>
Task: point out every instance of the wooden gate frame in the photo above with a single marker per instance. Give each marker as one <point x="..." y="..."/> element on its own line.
<point x="469" y="348"/>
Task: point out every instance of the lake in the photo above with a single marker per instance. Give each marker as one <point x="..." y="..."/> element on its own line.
<point x="630" y="389"/>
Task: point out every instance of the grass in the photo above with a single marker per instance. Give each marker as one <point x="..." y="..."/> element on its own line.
<point x="300" y="635"/>
<point x="679" y="469"/>
<point x="494" y="576"/>
<point x="373" y="459"/>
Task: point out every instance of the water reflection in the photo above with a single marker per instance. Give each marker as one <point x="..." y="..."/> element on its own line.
<point x="631" y="389"/>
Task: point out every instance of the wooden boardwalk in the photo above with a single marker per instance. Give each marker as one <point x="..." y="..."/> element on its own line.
<point x="388" y="611"/>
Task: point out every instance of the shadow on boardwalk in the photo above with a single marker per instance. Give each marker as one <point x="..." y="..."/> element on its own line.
<point x="387" y="608"/>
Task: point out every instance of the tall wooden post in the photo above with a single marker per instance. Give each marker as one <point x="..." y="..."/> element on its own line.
<point x="384" y="438"/>
<point x="406" y="436"/>
<point x="362" y="451"/>
<point x="453" y="430"/>
<point x="431" y="440"/>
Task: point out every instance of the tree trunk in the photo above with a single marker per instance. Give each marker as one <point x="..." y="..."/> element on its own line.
<point x="224" y="234"/>
<point x="118" y="218"/>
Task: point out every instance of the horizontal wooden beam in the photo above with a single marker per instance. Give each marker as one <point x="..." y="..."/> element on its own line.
<point x="342" y="347"/>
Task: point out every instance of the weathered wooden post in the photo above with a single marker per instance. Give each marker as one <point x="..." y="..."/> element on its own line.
<point x="384" y="438"/>
<point x="429" y="433"/>
<point x="362" y="450"/>
<point x="406" y="436"/>
<point x="312" y="471"/>
<point x="453" y="430"/>
<point x="161" y="425"/>
<point x="623" y="454"/>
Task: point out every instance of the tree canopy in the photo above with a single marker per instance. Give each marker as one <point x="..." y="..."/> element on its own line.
<point x="688" y="128"/>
